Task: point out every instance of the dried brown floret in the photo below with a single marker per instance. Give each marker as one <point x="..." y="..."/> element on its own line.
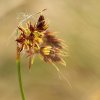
<point x="41" y="24"/>
<point x="51" y="39"/>
<point x="31" y="27"/>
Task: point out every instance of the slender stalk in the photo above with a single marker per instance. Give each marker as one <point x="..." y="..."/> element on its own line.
<point x="20" y="79"/>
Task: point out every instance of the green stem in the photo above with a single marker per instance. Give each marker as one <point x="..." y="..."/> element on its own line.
<point x="20" y="79"/>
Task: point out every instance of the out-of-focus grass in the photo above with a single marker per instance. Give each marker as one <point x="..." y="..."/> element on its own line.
<point x="78" y="24"/>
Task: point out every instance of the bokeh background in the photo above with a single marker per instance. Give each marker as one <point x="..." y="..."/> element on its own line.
<point x="78" y="23"/>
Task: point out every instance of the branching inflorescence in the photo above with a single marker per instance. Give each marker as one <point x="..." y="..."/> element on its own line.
<point x="37" y="39"/>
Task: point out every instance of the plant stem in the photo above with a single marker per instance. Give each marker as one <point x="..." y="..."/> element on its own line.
<point x="20" y="79"/>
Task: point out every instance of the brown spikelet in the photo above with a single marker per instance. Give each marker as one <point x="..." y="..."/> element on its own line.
<point x="41" y="25"/>
<point x="31" y="27"/>
<point x="51" y="39"/>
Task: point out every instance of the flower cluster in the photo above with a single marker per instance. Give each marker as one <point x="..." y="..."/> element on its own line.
<point x="37" y="39"/>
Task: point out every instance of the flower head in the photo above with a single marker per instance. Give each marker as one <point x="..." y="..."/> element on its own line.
<point x="37" y="39"/>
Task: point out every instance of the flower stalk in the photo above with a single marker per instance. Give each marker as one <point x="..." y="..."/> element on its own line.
<point x="36" y="39"/>
<point x="19" y="74"/>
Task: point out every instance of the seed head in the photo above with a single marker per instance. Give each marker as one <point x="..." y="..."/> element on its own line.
<point x="37" y="39"/>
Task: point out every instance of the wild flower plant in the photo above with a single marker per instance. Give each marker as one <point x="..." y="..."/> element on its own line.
<point x="36" y="39"/>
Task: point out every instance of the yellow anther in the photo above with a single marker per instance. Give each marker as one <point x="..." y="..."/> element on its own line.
<point x="47" y="50"/>
<point x="27" y="31"/>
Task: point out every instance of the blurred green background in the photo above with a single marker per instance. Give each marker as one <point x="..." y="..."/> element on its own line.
<point x="78" y="23"/>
